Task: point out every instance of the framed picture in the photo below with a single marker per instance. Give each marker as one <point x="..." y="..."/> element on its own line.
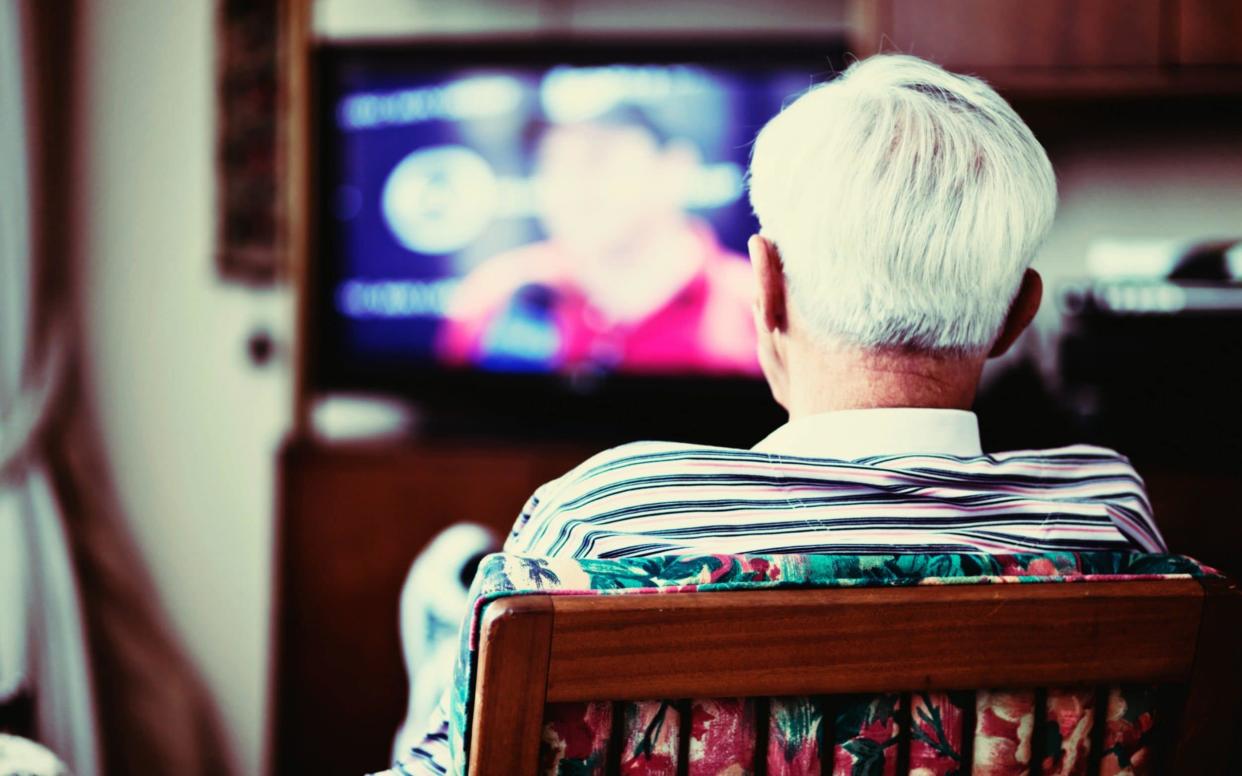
<point x="249" y="159"/>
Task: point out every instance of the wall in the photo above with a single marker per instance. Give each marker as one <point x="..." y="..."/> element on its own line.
<point x="189" y="427"/>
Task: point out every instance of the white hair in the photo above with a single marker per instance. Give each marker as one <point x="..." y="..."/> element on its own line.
<point x="905" y="202"/>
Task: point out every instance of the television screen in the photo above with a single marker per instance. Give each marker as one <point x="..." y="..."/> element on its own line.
<point x="526" y="215"/>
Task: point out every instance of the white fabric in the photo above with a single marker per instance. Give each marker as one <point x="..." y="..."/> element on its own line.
<point x="434" y="603"/>
<point x="14" y="277"/>
<point x="42" y="638"/>
<point x="852" y="434"/>
<point x="64" y="700"/>
<point x="13" y="597"/>
<point x="20" y="757"/>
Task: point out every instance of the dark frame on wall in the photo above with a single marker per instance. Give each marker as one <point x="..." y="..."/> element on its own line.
<point x="250" y="138"/>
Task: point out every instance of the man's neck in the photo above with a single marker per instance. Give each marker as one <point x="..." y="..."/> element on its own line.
<point x="849" y="378"/>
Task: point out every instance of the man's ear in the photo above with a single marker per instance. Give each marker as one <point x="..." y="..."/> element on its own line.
<point x="769" y="283"/>
<point x="1021" y="312"/>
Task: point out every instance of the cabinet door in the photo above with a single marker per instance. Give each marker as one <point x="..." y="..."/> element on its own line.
<point x="992" y="34"/>
<point x="1209" y="32"/>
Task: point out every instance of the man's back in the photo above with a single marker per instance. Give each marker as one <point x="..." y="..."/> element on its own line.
<point x="919" y="485"/>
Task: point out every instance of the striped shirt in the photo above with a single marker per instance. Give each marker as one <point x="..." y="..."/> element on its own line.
<point x="664" y="498"/>
<point x="658" y="498"/>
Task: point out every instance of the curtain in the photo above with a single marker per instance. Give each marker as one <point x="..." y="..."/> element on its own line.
<point x="42" y="637"/>
<point x="81" y="629"/>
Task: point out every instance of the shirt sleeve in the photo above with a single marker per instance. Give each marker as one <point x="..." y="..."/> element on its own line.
<point x="1125" y="499"/>
<point x="532" y="512"/>
<point x="1131" y="513"/>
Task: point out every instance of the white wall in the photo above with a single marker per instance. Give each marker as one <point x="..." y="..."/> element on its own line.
<point x="190" y="429"/>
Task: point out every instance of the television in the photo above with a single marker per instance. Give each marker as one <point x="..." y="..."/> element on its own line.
<point x="547" y="235"/>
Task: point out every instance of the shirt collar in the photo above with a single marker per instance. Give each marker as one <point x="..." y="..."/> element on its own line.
<point x="851" y="434"/>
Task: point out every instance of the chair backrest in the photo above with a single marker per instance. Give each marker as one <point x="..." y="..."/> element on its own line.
<point x="1084" y="666"/>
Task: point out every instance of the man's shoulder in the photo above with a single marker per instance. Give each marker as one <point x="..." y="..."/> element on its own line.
<point x="1086" y="455"/>
<point x="654" y="452"/>
<point x="657" y="452"/>
<point x="635" y="462"/>
<point x="616" y="472"/>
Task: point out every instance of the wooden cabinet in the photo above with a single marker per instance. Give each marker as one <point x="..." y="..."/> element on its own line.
<point x="1209" y="32"/>
<point x="1018" y="33"/>
<point x="1066" y="47"/>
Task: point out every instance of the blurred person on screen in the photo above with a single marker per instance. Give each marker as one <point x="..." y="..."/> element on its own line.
<point x="625" y="281"/>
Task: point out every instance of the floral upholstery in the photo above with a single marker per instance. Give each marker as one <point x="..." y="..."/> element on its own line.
<point x="936" y="731"/>
<point x="650" y="739"/>
<point x="1069" y="719"/>
<point x="723" y="736"/>
<point x="1004" y="723"/>
<point x="795" y="730"/>
<point x="987" y="733"/>
<point x="575" y="738"/>
<point x="1127" y="735"/>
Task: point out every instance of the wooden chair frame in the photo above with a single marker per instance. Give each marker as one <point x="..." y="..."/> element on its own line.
<point x="543" y="649"/>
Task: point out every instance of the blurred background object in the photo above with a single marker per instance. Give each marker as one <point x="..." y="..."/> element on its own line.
<point x="434" y="602"/>
<point x="101" y="680"/>
<point x="1148" y="359"/>
<point x="226" y="427"/>
<point x="249" y="205"/>
<point x="40" y="590"/>
<point x="22" y="757"/>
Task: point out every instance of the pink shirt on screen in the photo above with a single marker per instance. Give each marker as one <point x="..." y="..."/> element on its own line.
<point x="706" y="326"/>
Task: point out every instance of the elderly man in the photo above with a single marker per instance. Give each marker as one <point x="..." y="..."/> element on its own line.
<point x="899" y="207"/>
